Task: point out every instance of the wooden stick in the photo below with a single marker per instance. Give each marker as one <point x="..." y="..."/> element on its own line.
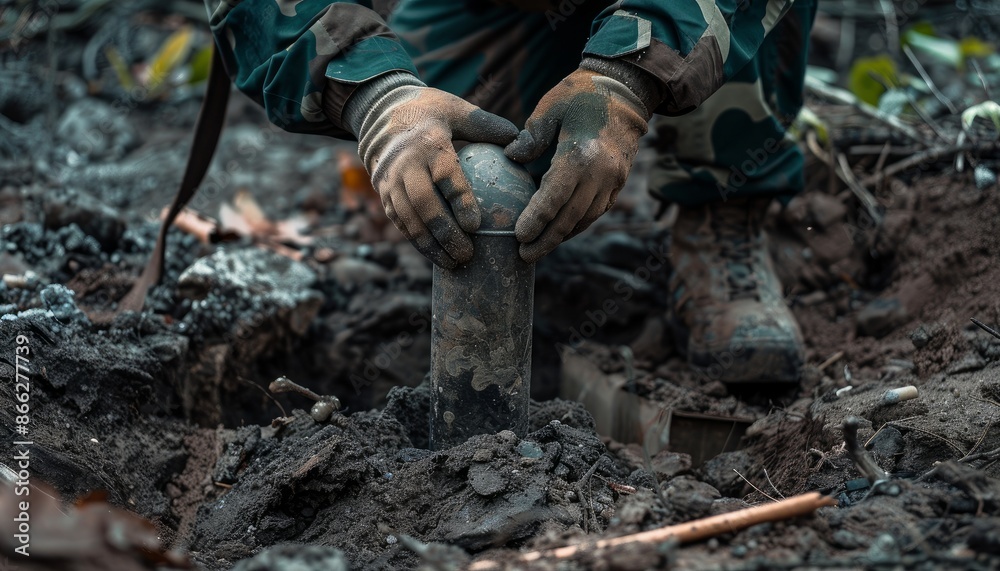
<point x="929" y="155"/>
<point x="691" y="531"/>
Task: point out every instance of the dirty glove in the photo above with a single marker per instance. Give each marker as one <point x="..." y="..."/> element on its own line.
<point x="598" y="112"/>
<point x="405" y="132"/>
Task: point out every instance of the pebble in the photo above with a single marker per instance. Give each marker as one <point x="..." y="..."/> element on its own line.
<point x="921" y="336"/>
<point x="880" y="317"/>
<point x="529" y="449"/>
<point x="985" y="177"/>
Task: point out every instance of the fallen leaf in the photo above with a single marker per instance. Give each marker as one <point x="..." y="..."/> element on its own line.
<point x="89" y="536"/>
<point x="173" y="51"/>
<point x="356" y="190"/>
<point x="987" y="110"/>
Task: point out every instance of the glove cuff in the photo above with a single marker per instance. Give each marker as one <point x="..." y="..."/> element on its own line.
<point x="362" y="102"/>
<point x="640" y="82"/>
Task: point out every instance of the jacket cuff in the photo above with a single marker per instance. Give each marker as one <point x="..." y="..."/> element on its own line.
<point x="683" y="81"/>
<point x="643" y="84"/>
<point x="356" y="65"/>
<point x="363" y="99"/>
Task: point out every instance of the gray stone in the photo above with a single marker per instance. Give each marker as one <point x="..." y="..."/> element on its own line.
<point x="59" y="299"/>
<point x="922" y="335"/>
<point x="67" y="206"/>
<point x="279" y="285"/>
<point x="529" y="449"/>
<point x="485" y="480"/>
<point x="880" y="317"/>
<point x="94" y="129"/>
<point x="985" y="177"/>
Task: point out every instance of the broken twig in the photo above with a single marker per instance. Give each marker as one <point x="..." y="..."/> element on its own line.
<point x="925" y="157"/>
<point x="862" y="459"/>
<point x="686" y="532"/>
<point x="986" y="328"/>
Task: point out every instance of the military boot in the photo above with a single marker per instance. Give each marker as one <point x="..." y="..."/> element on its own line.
<point x="728" y="312"/>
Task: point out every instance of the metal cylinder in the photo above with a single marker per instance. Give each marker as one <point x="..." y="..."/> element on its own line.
<point x="482" y="313"/>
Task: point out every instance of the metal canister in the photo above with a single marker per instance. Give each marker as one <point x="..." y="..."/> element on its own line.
<point x="482" y="313"/>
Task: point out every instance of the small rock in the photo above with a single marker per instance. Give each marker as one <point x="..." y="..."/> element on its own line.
<point x="880" y="317"/>
<point x="847" y="539"/>
<point x="689" y="498"/>
<point x="985" y="177"/>
<point x="94" y="129"/>
<point x="667" y="465"/>
<point x="279" y="286"/>
<point x="921" y="336"/>
<point x="884" y="550"/>
<point x="59" y="299"/>
<point x="886" y="446"/>
<point x="65" y="207"/>
<point x="529" y="449"/>
<point x="482" y="455"/>
<point x="486" y="480"/>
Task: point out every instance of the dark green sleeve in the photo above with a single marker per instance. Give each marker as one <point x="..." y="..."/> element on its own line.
<point x="691" y="47"/>
<point x="282" y="53"/>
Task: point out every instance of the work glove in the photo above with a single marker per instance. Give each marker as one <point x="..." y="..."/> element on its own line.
<point x="598" y="113"/>
<point x="405" y="132"/>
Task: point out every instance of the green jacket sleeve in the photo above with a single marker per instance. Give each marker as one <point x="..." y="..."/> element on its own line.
<point x="282" y="53"/>
<point x="692" y="47"/>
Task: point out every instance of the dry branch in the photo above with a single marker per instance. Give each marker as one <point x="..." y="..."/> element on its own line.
<point x="691" y="531"/>
<point x="862" y="459"/>
<point x="929" y="155"/>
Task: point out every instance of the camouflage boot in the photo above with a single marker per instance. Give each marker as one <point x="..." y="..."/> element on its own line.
<point x="726" y="302"/>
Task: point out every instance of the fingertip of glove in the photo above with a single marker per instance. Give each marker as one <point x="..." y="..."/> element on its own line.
<point x="531" y="253"/>
<point x="469" y="220"/>
<point x="493" y="128"/>
<point x="522" y="148"/>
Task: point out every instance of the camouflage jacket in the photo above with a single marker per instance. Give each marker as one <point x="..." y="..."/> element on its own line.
<point x="280" y="52"/>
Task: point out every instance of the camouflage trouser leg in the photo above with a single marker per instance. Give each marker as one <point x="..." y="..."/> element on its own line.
<point x="499" y="58"/>
<point x="734" y="145"/>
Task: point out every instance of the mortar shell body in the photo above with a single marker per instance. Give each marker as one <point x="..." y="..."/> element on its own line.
<point x="482" y="313"/>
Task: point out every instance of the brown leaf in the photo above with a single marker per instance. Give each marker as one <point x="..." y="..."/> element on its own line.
<point x="89" y="536"/>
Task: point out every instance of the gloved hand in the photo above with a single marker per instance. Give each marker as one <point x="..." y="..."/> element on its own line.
<point x="598" y="121"/>
<point x="405" y="132"/>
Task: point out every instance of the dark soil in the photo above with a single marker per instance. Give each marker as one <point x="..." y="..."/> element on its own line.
<point x="168" y="411"/>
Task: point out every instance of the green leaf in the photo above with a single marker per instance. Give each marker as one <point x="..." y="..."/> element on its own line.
<point x="987" y="110"/>
<point x="808" y="119"/>
<point x="941" y="49"/>
<point x="171" y="54"/>
<point x="200" y="64"/>
<point x="121" y="68"/>
<point x="870" y="75"/>
<point x="974" y="47"/>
